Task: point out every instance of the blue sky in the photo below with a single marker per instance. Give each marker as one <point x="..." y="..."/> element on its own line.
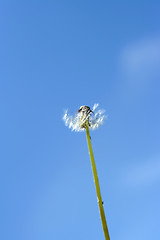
<point x="63" y="54"/>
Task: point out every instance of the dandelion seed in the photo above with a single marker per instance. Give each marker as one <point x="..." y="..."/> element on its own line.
<point x="85" y="116"/>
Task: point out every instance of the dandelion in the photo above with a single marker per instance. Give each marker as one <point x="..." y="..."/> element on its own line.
<point x="83" y="120"/>
<point x="94" y="117"/>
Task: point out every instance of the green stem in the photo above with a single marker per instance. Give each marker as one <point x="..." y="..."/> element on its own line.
<point x="95" y="176"/>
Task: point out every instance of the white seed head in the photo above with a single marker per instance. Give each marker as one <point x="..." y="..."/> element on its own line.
<point x="85" y="116"/>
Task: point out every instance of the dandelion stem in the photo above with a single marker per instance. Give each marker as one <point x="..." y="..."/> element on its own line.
<point x="95" y="176"/>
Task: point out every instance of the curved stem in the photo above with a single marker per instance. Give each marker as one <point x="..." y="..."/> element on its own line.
<point x="95" y="176"/>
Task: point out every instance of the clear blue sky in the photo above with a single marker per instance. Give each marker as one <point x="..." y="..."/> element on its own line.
<point x="63" y="54"/>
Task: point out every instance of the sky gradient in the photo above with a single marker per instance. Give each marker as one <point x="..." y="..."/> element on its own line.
<point x="57" y="55"/>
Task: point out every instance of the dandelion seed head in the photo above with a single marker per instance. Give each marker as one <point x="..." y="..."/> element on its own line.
<point x="85" y="116"/>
